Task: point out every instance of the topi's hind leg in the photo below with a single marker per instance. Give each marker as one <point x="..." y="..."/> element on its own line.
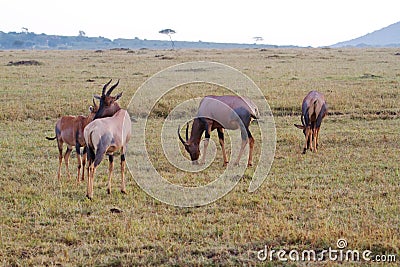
<point x="66" y="160"/>
<point x="242" y="147"/>
<point x="123" y="164"/>
<point x="60" y="158"/>
<point x="79" y="159"/>
<point x="251" y="148"/>
<point x="222" y="143"/>
<point x="91" y="170"/>
<point x="84" y="157"/>
<point x="245" y="138"/>
<point x="110" y="170"/>
<point x="317" y="135"/>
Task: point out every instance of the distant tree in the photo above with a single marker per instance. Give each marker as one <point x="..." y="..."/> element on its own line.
<point x="258" y="39"/>
<point x="168" y="32"/>
<point x="24" y="30"/>
<point x="82" y="34"/>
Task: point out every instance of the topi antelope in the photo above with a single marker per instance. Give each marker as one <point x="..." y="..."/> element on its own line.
<point x="314" y="109"/>
<point x="106" y="136"/>
<point x="221" y="112"/>
<point x="69" y="130"/>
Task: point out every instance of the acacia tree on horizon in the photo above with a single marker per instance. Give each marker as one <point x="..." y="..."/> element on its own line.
<point x="168" y="32"/>
<point x="82" y="33"/>
<point x="258" y="39"/>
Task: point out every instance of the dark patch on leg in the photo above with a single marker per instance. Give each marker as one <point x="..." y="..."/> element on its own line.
<point x="98" y="158"/>
<point x="205" y="125"/>
<point x="222" y="143"/>
<point x="249" y="135"/>
<point x="110" y="170"/>
<point x="220" y="134"/>
<point x="69" y="150"/>
<point x="123" y="164"/>
<point x="90" y="154"/>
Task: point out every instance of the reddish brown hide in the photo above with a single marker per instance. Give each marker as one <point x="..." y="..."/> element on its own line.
<point x="221" y="112"/>
<point x="69" y="130"/>
<point x="314" y="109"/>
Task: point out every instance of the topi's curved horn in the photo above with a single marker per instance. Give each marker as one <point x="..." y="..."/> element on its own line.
<point x="105" y="87"/>
<point x="187" y="132"/>
<point x="180" y="137"/>
<point x="112" y="88"/>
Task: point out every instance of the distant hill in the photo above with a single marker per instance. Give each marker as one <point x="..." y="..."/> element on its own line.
<point x="386" y="37"/>
<point x="29" y="40"/>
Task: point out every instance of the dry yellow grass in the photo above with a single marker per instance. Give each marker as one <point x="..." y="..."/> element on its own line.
<point x="350" y="189"/>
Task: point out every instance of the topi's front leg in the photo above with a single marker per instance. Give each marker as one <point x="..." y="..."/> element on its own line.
<point x="123" y="164"/>
<point x="110" y="170"/>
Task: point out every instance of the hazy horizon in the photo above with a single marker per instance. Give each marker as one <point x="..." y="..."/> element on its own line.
<point x="300" y="23"/>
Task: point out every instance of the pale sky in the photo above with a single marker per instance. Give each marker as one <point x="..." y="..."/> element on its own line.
<point x="280" y="22"/>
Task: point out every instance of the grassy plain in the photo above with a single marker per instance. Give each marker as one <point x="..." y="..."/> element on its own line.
<point x="350" y="189"/>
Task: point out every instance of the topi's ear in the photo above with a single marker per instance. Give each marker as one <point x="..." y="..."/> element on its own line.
<point x="94" y="104"/>
<point x="300" y="126"/>
<point x="97" y="97"/>
<point x="118" y="96"/>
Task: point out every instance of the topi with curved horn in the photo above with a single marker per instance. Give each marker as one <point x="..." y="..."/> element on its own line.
<point x="221" y="112"/>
